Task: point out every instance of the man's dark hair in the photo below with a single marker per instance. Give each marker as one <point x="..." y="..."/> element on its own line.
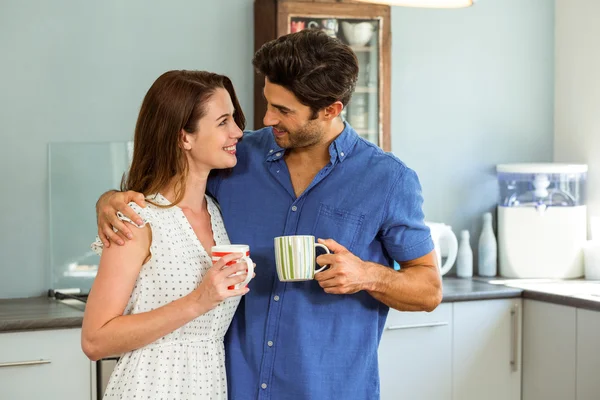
<point x="317" y="68"/>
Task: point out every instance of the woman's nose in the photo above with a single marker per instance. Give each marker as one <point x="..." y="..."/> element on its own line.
<point x="237" y="133"/>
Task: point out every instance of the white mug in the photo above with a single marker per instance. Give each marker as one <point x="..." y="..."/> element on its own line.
<point x="295" y="257"/>
<point x="223" y="250"/>
<point x="444" y="238"/>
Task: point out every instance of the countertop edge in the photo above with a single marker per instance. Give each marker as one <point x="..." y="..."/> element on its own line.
<point x="456" y="290"/>
<point x="458" y="297"/>
<point x="40" y="324"/>
<point x="568" y="301"/>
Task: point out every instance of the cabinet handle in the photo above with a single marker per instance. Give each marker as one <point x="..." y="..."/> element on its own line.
<point x="23" y="363"/>
<point x="414" y="326"/>
<point x="514" y="340"/>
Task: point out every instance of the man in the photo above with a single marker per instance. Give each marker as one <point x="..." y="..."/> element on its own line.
<point x="310" y="173"/>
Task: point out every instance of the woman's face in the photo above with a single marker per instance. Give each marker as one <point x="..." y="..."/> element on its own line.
<point x="213" y="145"/>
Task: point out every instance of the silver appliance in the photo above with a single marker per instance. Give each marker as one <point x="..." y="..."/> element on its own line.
<point x="104" y="369"/>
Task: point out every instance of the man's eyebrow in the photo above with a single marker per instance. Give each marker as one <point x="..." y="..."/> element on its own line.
<point x="278" y="106"/>
<point x="281" y="108"/>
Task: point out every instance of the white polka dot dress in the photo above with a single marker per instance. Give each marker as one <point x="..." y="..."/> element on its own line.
<point x="188" y="363"/>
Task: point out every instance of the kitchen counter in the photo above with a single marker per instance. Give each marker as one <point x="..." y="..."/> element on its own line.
<point x="38" y="313"/>
<point x="579" y="293"/>
<point x="565" y="300"/>
<point x="458" y="289"/>
<point x="45" y="313"/>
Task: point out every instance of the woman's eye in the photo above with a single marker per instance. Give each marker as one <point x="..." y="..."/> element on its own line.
<point x="223" y="122"/>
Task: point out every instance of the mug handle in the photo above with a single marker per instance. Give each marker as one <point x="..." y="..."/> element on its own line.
<point x="250" y="265"/>
<point x="452" y="252"/>
<point x="328" y="252"/>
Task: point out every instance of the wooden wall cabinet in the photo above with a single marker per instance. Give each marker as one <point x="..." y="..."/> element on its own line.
<point x="365" y="27"/>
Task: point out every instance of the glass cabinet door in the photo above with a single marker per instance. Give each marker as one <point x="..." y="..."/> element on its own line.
<point x="362" y="35"/>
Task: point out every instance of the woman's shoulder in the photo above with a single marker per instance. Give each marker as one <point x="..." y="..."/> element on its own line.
<point x="147" y="214"/>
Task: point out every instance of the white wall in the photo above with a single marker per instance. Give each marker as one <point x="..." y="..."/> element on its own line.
<point x="471" y="88"/>
<point x="76" y="71"/>
<point x="577" y="90"/>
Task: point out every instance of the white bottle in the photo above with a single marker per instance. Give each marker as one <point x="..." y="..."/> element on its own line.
<point x="464" y="260"/>
<point x="488" y="249"/>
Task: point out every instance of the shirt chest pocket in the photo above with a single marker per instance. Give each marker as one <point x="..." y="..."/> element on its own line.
<point x="338" y="224"/>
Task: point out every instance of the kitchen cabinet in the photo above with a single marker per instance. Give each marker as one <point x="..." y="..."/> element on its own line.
<point x="549" y="351"/>
<point x="44" y="365"/>
<point x="415" y="358"/>
<point x="365" y="28"/>
<point x="588" y="355"/>
<point x="486" y="360"/>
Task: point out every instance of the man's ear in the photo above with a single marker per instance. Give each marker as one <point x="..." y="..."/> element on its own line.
<point x="333" y="110"/>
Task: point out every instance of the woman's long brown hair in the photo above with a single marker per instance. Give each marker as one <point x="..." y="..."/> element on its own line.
<point x="175" y="101"/>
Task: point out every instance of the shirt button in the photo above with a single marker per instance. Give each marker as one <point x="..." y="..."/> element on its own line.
<point x="342" y="154"/>
<point x="294" y="208"/>
<point x="270" y="343"/>
<point x="270" y="151"/>
<point x="264" y="386"/>
<point x="276" y="298"/>
<point x="277" y="154"/>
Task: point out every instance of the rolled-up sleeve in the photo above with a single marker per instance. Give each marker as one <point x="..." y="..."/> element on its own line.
<point x="403" y="231"/>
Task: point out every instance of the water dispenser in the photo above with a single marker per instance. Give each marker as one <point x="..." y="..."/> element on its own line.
<point x="542" y="223"/>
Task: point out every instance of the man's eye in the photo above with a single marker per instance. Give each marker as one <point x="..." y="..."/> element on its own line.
<point x="283" y="112"/>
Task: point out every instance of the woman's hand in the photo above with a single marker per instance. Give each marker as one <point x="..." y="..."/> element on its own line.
<point x="106" y="211"/>
<point x="215" y="285"/>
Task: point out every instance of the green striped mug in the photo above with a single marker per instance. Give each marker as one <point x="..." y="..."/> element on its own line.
<point x="295" y="257"/>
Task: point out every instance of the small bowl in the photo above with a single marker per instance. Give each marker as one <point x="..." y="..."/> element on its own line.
<point x="359" y="33"/>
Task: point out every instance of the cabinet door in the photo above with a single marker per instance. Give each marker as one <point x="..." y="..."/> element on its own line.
<point x="486" y="350"/>
<point x="549" y="343"/>
<point x="588" y="355"/>
<point x="415" y="355"/>
<point x="46" y="365"/>
<point x="366" y="28"/>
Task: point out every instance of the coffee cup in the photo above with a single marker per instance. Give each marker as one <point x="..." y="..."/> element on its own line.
<point x="295" y="257"/>
<point x="222" y="250"/>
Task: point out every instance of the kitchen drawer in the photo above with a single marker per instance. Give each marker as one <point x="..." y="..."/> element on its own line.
<point x="441" y="316"/>
<point x="44" y="364"/>
<point x="416" y="350"/>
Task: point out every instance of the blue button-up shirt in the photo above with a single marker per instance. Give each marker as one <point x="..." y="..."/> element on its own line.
<point x="292" y="340"/>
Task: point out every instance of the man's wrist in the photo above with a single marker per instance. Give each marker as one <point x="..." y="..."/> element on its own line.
<point x="374" y="275"/>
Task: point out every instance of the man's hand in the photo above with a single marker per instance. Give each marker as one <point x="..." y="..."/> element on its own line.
<point x="106" y="210"/>
<point x="347" y="274"/>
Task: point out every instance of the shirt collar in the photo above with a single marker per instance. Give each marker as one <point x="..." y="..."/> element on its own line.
<point x="274" y="152"/>
<point x="342" y="145"/>
<point x="338" y="150"/>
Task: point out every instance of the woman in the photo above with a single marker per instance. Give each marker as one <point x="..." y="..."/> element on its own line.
<point x="158" y="299"/>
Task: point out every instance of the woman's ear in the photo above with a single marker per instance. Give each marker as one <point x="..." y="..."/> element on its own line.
<point x="184" y="140"/>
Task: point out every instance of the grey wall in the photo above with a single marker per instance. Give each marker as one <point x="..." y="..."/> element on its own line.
<point x="470" y="88"/>
<point x="77" y="71"/>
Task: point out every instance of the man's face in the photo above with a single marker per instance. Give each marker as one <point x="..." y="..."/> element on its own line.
<point x="291" y="120"/>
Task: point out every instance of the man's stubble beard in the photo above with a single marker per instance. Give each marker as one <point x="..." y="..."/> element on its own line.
<point x="308" y="135"/>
